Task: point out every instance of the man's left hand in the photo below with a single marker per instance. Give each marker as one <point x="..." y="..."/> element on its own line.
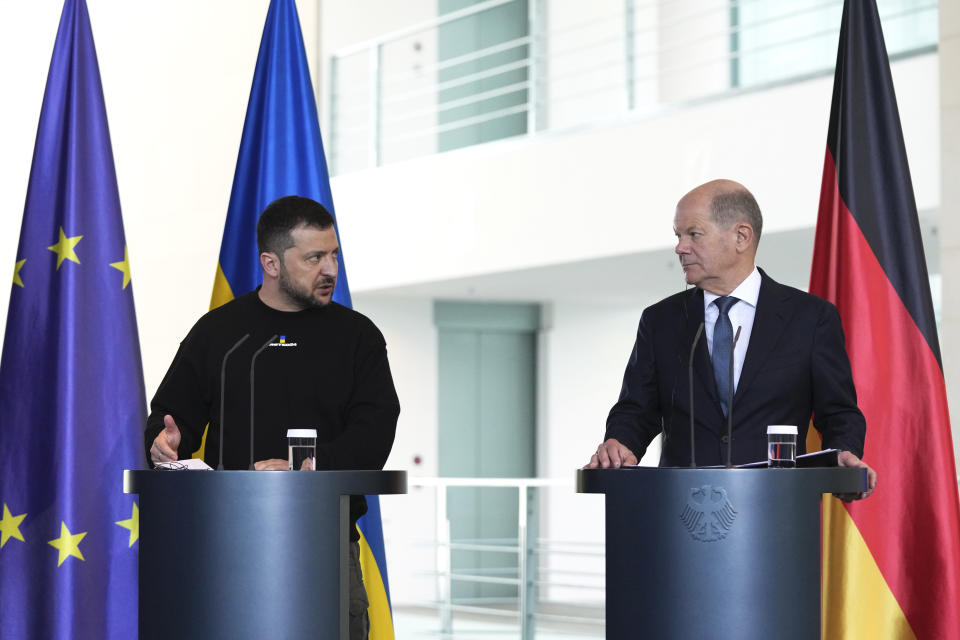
<point x="276" y="464"/>
<point x="847" y="459"/>
<point x="273" y="464"/>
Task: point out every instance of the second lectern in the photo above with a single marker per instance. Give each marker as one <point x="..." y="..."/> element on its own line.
<point x="247" y="554"/>
<point x="714" y="553"/>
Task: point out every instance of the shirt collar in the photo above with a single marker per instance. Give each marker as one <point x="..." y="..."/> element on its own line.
<point x="747" y="291"/>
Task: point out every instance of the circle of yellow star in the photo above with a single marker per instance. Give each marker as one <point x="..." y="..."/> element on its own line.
<point x="10" y="526"/>
<point x="123" y="267"/>
<point x="67" y="544"/>
<point x="16" y="271"/>
<point x="64" y="248"/>
<point x="132" y="523"/>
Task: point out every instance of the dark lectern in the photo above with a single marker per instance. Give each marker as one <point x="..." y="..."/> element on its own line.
<point x="714" y="553"/>
<point x="247" y="554"/>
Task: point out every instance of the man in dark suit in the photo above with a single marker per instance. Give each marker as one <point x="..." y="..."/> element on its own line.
<point x="789" y="357"/>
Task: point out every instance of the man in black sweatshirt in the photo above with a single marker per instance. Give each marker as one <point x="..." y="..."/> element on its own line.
<point x="326" y="369"/>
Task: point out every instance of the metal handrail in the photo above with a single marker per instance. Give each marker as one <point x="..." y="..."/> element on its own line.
<point x="423" y="481"/>
<point x="458" y="124"/>
<point x="571" y="585"/>
<point x="589" y="46"/>
<point x="555" y="617"/>
<point x="526" y="576"/>
<point x="472" y="577"/>
<point x="487" y="611"/>
<point x="456" y="82"/>
<point x="462" y="102"/>
<point x="580" y="26"/>
<point x="398" y="104"/>
<point x="458" y="60"/>
<point x="551" y="542"/>
<point x="493" y="548"/>
<point x="419" y="27"/>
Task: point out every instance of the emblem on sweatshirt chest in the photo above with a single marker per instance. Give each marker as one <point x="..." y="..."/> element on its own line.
<point x="284" y="341"/>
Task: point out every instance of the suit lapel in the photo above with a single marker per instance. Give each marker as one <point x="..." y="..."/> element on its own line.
<point x="768" y="324"/>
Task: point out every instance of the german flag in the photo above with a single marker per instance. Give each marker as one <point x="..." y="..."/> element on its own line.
<point x="892" y="561"/>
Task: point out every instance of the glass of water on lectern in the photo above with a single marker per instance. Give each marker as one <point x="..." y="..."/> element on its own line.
<point x="782" y="445"/>
<point x="301" y="448"/>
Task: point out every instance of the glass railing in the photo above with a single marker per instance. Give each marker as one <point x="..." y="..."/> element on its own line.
<point x="504" y="68"/>
<point x="511" y="568"/>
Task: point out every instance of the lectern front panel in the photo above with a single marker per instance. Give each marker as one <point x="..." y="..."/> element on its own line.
<point x="246" y="554"/>
<point x="714" y="553"/>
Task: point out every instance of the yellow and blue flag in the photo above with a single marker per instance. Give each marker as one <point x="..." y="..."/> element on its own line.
<point x="281" y="154"/>
<point x="72" y="405"/>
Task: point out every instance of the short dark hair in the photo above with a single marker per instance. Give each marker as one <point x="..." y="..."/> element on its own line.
<point x="282" y="216"/>
<point x="738" y="205"/>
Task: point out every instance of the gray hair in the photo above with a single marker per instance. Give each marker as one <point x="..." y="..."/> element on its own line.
<point x="730" y="207"/>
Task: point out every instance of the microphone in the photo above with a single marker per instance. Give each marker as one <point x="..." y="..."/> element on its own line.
<point x="223" y="385"/>
<point x="730" y="402"/>
<point x="693" y="348"/>
<point x="253" y="363"/>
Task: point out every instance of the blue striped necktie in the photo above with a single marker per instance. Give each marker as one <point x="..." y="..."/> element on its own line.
<point x="723" y="348"/>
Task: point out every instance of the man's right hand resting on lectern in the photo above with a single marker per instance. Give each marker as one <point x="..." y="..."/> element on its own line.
<point x="609" y="454"/>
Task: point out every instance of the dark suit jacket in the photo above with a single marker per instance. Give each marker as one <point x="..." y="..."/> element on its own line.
<point x="796" y="366"/>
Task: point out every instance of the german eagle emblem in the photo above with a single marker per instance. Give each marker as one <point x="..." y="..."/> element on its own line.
<point x="708" y="514"/>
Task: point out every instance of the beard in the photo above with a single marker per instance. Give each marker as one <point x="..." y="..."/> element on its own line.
<point x="303" y="297"/>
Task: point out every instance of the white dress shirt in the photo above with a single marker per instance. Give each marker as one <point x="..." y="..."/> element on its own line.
<point x="741" y="315"/>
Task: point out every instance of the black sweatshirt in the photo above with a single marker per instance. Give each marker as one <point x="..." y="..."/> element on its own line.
<point x="327" y="370"/>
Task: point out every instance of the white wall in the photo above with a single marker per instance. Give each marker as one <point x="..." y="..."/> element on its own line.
<point x="584" y="351"/>
<point x="693" y="36"/>
<point x="607" y="190"/>
<point x="949" y="219"/>
<point x="407" y="325"/>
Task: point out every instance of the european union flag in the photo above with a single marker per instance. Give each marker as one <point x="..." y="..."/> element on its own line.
<point x="72" y="404"/>
<point x="281" y="154"/>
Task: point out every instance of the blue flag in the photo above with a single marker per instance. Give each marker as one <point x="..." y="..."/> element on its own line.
<point x="281" y="154"/>
<point x="72" y="405"/>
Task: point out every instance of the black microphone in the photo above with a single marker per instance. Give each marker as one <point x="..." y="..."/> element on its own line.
<point x="253" y="362"/>
<point x="223" y="385"/>
<point x="693" y="348"/>
<point x="730" y="403"/>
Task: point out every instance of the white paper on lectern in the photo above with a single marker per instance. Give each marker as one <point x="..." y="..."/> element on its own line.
<point x="190" y="464"/>
<point x="822" y="458"/>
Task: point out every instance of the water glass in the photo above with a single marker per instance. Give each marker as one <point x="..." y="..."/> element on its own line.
<point x="301" y="447"/>
<point x="781" y="446"/>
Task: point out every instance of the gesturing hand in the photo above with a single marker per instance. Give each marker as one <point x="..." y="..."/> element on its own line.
<point x="164" y="447"/>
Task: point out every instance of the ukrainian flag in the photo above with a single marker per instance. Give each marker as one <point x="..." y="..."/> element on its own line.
<point x="281" y="153"/>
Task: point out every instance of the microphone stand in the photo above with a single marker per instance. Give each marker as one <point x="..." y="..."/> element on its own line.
<point x="693" y="348"/>
<point x="253" y="362"/>
<point x="730" y="404"/>
<point x="223" y="391"/>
